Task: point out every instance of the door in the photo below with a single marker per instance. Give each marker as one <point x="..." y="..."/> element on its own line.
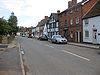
<point x="95" y="36"/>
<point x="0" y="39"/>
<point x="77" y="36"/>
<point x="65" y="34"/>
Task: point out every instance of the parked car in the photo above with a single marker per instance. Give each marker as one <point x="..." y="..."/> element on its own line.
<point x="58" y="39"/>
<point x="29" y="36"/>
<point x="43" y="37"/>
<point x="23" y="35"/>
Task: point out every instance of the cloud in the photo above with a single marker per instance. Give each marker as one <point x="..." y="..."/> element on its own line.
<point x="36" y="9"/>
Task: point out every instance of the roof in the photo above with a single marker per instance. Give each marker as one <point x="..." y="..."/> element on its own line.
<point x="95" y="11"/>
<point x="55" y="15"/>
<point x="43" y="22"/>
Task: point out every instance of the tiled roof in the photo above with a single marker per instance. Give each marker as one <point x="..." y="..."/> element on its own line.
<point x="95" y="11"/>
<point x="43" y="22"/>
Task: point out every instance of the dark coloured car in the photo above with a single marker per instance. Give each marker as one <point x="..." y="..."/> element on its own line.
<point x="43" y="37"/>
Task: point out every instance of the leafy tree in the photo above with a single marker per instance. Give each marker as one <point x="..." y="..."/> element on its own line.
<point x="12" y="21"/>
<point x="4" y="27"/>
<point x="20" y="28"/>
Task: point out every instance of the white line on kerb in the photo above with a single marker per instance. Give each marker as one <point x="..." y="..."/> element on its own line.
<point x="76" y="55"/>
<point x="49" y="46"/>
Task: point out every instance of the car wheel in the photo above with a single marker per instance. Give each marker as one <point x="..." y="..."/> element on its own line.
<point x="56" y="41"/>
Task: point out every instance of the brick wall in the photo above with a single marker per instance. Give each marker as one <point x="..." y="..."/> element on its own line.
<point x="6" y="40"/>
<point x="74" y="27"/>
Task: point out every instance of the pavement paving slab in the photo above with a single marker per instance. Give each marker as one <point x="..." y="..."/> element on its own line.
<point x="10" y="61"/>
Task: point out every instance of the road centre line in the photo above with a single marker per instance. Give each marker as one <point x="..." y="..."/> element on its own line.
<point x="76" y="55"/>
<point x="49" y="46"/>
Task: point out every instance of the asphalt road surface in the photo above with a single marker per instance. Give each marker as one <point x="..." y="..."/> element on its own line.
<point x="45" y="58"/>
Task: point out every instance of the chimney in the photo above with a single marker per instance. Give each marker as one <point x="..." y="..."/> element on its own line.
<point x="46" y="17"/>
<point x="74" y="2"/>
<point x="58" y="11"/>
<point x="69" y="4"/>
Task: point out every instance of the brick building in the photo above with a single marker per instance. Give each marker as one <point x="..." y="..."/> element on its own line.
<point x="70" y="22"/>
<point x="42" y="24"/>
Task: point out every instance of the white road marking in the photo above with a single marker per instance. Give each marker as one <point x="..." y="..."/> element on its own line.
<point x="76" y="55"/>
<point x="49" y="46"/>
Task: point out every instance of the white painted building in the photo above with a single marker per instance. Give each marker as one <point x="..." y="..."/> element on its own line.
<point x="45" y="30"/>
<point x="37" y="32"/>
<point x="91" y="25"/>
<point x="91" y="31"/>
<point x="53" y="25"/>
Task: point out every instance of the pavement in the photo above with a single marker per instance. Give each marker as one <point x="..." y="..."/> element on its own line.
<point x="87" y="45"/>
<point x="93" y="46"/>
<point x="10" y="59"/>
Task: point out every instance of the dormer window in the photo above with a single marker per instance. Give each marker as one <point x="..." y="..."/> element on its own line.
<point x="71" y="11"/>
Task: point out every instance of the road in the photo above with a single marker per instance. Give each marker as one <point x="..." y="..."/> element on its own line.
<point x="45" y="58"/>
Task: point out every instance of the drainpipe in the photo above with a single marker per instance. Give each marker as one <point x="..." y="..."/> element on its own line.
<point x="82" y="24"/>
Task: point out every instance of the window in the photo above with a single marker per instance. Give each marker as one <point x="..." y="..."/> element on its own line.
<point x="86" y="34"/>
<point x="76" y="9"/>
<point x="71" y="21"/>
<point x="61" y="25"/>
<point x="71" y="34"/>
<point x="52" y="18"/>
<point x="54" y="25"/>
<point x="65" y="22"/>
<point x="57" y="24"/>
<point x="61" y="15"/>
<point x="86" y="21"/>
<point x="48" y="26"/>
<point x="71" y="11"/>
<point x="77" y="20"/>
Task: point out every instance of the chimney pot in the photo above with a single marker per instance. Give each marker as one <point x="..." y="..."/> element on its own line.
<point x="58" y="11"/>
<point x="46" y="17"/>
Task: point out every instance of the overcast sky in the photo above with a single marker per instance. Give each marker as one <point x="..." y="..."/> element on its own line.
<point x="30" y="12"/>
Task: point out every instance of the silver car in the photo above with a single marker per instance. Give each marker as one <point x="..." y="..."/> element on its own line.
<point x="58" y="39"/>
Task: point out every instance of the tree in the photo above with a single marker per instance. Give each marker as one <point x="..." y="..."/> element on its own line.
<point x="12" y="21"/>
<point x="4" y="27"/>
<point x="20" y="28"/>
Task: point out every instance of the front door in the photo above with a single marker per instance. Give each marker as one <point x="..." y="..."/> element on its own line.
<point x="95" y="36"/>
<point x="77" y="37"/>
<point x="65" y="34"/>
<point x="0" y="39"/>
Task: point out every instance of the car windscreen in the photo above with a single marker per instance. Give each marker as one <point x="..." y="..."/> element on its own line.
<point x="58" y="37"/>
